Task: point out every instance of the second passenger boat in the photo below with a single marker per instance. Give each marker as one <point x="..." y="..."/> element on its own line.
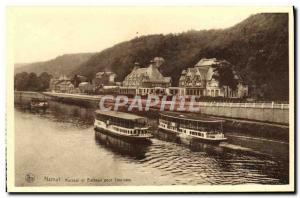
<point x="193" y="126"/>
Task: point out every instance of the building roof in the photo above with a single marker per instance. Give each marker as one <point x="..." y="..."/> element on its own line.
<point x="82" y="78"/>
<point x="198" y="72"/>
<point x="62" y="81"/>
<point x="202" y="70"/>
<point x="84" y="83"/>
<point x="207" y="62"/>
<point x="148" y="74"/>
<point x="118" y="114"/>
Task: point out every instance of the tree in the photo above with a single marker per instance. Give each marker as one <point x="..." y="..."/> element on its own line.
<point x="31" y="82"/>
<point x="21" y="81"/>
<point x="224" y="74"/>
<point x="44" y="81"/>
<point x="75" y="80"/>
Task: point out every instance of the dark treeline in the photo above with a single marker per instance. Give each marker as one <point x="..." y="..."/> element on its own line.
<point x="31" y="82"/>
<point x="257" y="47"/>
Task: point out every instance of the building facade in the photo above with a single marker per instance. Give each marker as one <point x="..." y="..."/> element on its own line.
<point x="62" y="84"/>
<point x="103" y="79"/>
<point x="148" y="80"/>
<point x="199" y="81"/>
<point x="86" y="88"/>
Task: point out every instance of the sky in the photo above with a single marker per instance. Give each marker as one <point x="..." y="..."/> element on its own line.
<point x="41" y="33"/>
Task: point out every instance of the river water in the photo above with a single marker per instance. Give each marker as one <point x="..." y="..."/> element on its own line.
<point x="60" y="147"/>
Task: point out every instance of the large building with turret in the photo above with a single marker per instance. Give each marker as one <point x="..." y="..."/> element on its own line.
<point x="146" y="80"/>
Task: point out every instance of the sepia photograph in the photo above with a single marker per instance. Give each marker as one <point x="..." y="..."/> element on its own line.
<point x="150" y="99"/>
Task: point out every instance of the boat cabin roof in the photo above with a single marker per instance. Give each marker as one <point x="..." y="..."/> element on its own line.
<point x="118" y="114"/>
<point x="191" y="117"/>
<point x="38" y="100"/>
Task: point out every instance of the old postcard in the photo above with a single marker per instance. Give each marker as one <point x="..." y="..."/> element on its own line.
<point x="150" y="99"/>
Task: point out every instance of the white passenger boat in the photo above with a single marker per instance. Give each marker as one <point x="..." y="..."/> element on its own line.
<point x="192" y="125"/>
<point x="122" y="124"/>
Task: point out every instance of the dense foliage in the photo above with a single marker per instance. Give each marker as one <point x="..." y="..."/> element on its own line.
<point x="224" y="74"/>
<point x="31" y="82"/>
<point x="258" y="47"/>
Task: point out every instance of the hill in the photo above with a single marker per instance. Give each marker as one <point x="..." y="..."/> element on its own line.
<point x="258" y="47"/>
<point x="64" y="64"/>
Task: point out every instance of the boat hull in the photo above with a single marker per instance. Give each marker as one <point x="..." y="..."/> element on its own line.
<point x="124" y="137"/>
<point x="193" y="138"/>
<point x="210" y="141"/>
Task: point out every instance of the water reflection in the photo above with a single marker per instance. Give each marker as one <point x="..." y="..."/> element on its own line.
<point x="229" y="158"/>
<point x="136" y="150"/>
<point x="82" y="117"/>
<point x="60" y="112"/>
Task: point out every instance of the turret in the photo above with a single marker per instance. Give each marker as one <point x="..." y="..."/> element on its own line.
<point x="157" y="61"/>
<point x="136" y="66"/>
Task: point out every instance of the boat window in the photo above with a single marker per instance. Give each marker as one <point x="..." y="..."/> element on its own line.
<point x="200" y="126"/>
<point x="140" y="122"/>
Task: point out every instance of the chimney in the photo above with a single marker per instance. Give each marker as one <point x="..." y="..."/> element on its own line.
<point x="158" y="61"/>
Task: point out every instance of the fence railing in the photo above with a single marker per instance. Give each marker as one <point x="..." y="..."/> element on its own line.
<point x="246" y="105"/>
